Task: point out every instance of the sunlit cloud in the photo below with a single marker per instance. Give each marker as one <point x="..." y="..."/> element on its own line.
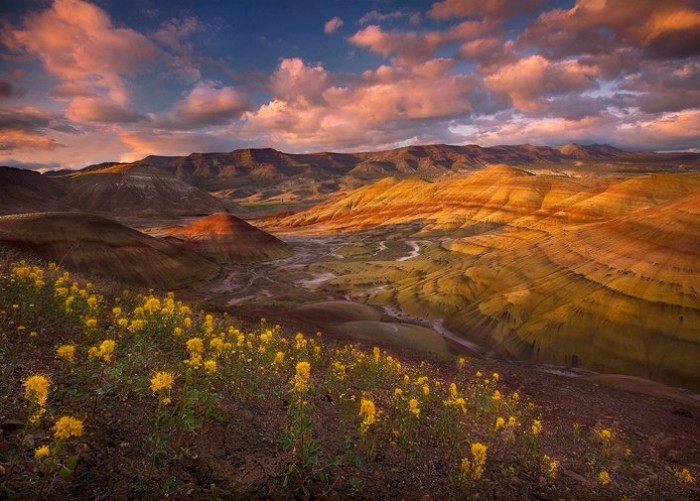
<point x="207" y="104"/>
<point x="78" y="44"/>
<point x="332" y="25"/>
<point x="82" y="83"/>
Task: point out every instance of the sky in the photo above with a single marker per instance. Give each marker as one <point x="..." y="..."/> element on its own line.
<point x="84" y="82"/>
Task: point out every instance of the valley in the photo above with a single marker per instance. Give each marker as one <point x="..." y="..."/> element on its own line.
<point x="583" y="257"/>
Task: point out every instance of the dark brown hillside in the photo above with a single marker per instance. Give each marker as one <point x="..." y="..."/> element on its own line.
<point x="137" y="191"/>
<point x="96" y="246"/>
<point x="28" y="191"/>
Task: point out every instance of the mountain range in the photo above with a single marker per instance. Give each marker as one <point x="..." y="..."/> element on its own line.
<point x="203" y="183"/>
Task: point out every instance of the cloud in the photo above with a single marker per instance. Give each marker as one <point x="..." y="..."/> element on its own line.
<point x="207" y="104"/>
<point x="78" y="44"/>
<point x="406" y="45"/>
<point x="332" y="25"/>
<point x="13" y="139"/>
<point x="9" y="90"/>
<point x="665" y="131"/>
<point x="178" y="53"/>
<point x="531" y="79"/>
<point x="100" y="109"/>
<point x="490" y="53"/>
<point x="447" y="9"/>
<point x="411" y="46"/>
<point x="144" y="143"/>
<point x="660" y="29"/>
<point x="379" y="107"/>
<point x="297" y="82"/>
<point x="375" y="16"/>
<point x="27" y="128"/>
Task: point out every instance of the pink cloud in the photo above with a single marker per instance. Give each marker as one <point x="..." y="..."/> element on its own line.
<point x="406" y="45"/>
<point x="28" y="128"/>
<point x="655" y="132"/>
<point x="99" y="109"/>
<point x="14" y="139"/>
<point x="669" y="28"/>
<point x="490" y="53"/>
<point x="77" y="43"/>
<point x="144" y="143"/>
<point x="295" y="81"/>
<point x="447" y="9"/>
<point x="386" y="98"/>
<point x="533" y="78"/>
<point x="332" y="25"/>
<point x="207" y="104"/>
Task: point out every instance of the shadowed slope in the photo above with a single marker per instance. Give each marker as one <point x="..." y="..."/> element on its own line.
<point x="93" y="245"/>
<point x="28" y="191"/>
<point x="227" y="239"/>
<point x="129" y="191"/>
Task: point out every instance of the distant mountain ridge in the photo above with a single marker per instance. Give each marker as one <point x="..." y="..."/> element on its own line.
<point x="204" y="183"/>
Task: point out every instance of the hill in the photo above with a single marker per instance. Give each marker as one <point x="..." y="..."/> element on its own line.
<point x="226" y="239"/>
<point x="28" y="191"/>
<point x="136" y="191"/>
<point x="96" y="246"/>
<point x="140" y="397"/>
<point x="591" y="272"/>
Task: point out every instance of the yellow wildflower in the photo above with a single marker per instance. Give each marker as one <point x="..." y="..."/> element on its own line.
<point x="368" y="413"/>
<point x="603" y="478"/>
<point x="339" y="370"/>
<point x="217" y="344"/>
<point x="116" y="311"/>
<point x="42" y="452"/>
<point x="376" y="352"/>
<point x="104" y="351"/>
<point x="302" y="376"/>
<point x="536" y="427"/>
<point x="495" y="376"/>
<point x="195" y="345"/>
<point x="66" y="352"/>
<point x="36" y="389"/>
<point x="136" y="325"/>
<point x="605" y="435"/>
<point x="479" y="374"/>
<point x="300" y="341"/>
<point x="496" y="396"/>
<point x="279" y="358"/>
<point x="67" y="427"/>
<point x="685" y="476"/>
<point x="512" y="421"/>
<point x="91" y="323"/>
<point x="453" y="390"/>
<point x="398" y="393"/>
<point x="414" y="407"/>
<point x="210" y="366"/>
<point x="500" y="423"/>
<point x="551" y="466"/>
<point x="162" y="381"/>
<point x="426" y="390"/>
<point x="479" y="452"/>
